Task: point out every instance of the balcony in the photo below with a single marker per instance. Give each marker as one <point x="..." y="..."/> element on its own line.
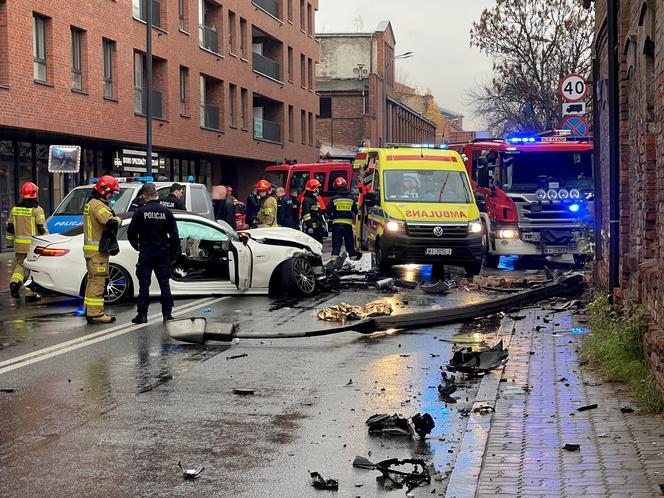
<point x="267" y="130"/>
<point x="141" y="103"/>
<point x="209" y="117"/>
<point x="209" y="39"/>
<point x="269" y="6"/>
<point x="265" y="66"/>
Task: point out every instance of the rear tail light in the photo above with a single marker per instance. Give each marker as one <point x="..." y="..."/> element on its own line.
<point x="48" y="251"/>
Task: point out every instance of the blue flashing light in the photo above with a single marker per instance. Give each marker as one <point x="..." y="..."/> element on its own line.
<point x="145" y="179"/>
<point x="190" y="179"/>
<point x="523" y="140"/>
<point x="574" y="207"/>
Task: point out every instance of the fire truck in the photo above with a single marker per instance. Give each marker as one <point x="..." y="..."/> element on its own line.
<point x="535" y="194"/>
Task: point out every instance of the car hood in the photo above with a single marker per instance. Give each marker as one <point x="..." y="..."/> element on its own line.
<point x="286" y="236"/>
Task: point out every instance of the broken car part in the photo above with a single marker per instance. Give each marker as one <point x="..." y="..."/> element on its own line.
<point x="190" y="473"/>
<point x="318" y="482"/>
<point x="418" y="476"/>
<point x="473" y="362"/>
<point x="572" y="447"/>
<point x="394" y="425"/>
<point x="344" y="312"/>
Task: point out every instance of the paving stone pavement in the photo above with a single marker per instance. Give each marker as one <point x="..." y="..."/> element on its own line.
<point x="542" y="386"/>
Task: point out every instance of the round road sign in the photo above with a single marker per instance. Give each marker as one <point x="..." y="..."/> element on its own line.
<point x="573" y="88"/>
<point x="577" y="125"/>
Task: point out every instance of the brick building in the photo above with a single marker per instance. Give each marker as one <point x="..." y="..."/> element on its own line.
<point x="233" y="88"/>
<point x="358" y="101"/>
<point x="640" y="168"/>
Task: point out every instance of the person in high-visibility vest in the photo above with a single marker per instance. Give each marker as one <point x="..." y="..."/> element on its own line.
<point x="267" y="206"/>
<point x="342" y="210"/>
<point x="98" y="217"/>
<point x="26" y="220"/>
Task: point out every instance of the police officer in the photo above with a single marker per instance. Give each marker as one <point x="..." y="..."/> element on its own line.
<point x="174" y="199"/>
<point x="26" y="220"/>
<point x="284" y="209"/>
<point x="296" y="205"/>
<point x="97" y="218"/>
<point x="138" y="201"/>
<point x="267" y="206"/>
<point x="342" y="209"/>
<point x="153" y="232"/>
<point x="312" y="218"/>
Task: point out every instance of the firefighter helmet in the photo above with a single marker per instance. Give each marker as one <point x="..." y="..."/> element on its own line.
<point x="106" y="184"/>
<point x="29" y="190"/>
<point x="340" y="183"/>
<point x="264" y="185"/>
<point x="312" y="185"/>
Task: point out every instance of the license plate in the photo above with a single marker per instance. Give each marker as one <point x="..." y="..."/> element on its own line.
<point x="438" y="251"/>
<point x="555" y="250"/>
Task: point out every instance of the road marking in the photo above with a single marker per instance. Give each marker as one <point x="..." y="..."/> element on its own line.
<point x="87" y="340"/>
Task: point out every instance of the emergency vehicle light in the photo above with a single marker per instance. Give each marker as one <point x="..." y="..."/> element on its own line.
<point x="574" y="208"/>
<point x="128" y="179"/>
<point x="523" y="140"/>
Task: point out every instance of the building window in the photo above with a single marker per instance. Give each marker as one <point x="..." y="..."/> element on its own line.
<point x="303" y="127"/>
<point x="302" y="15"/>
<point x="243" y="38"/>
<point x="244" y="96"/>
<point x="290" y="123"/>
<point x="184" y="93"/>
<point x="140" y="11"/>
<point x="290" y="64"/>
<point x="210" y="26"/>
<point x="76" y="59"/>
<point x="311" y="74"/>
<point x="211" y="95"/>
<point x="232" y="33"/>
<point x="108" y="47"/>
<point x="310" y="19"/>
<point x="325" y="107"/>
<point x="303" y="71"/>
<point x="290" y="10"/>
<point x="311" y="128"/>
<point x="39" y="48"/>
<point x="182" y="15"/>
<point x="232" y="98"/>
<point x="140" y="104"/>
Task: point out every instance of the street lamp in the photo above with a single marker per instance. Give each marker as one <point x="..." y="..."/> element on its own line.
<point x="405" y="55"/>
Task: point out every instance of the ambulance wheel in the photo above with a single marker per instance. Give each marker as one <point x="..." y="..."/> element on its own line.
<point x="381" y="257"/>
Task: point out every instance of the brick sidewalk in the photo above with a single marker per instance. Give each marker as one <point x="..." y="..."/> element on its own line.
<point x="621" y="453"/>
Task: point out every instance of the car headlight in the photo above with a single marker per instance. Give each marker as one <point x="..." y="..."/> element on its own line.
<point x="474" y="227"/>
<point x="392" y="226"/>
<point x="563" y="194"/>
<point x="507" y="233"/>
<point x="552" y="194"/>
<point x="541" y="194"/>
<point x="575" y="193"/>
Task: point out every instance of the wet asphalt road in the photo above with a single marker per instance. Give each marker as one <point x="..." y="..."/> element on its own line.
<point x="112" y="416"/>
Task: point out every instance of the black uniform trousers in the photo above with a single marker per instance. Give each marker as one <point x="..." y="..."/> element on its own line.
<point x="342" y="233"/>
<point x="157" y="259"/>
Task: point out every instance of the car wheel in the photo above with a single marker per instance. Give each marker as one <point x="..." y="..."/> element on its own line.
<point x="299" y="277"/>
<point x="118" y="288"/>
<point x="381" y="257"/>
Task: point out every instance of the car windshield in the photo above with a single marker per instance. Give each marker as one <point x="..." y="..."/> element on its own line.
<point x="426" y="186"/>
<point x="528" y="171"/>
<point x="277" y="178"/>
<point x="75" y="201"/>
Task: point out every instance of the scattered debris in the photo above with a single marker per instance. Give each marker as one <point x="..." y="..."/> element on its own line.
<point x="394" y="425"/>
<point x="572" y="447"/>
<point x="483" y="409"/>
<point x="243" y="355"/>
<point x="468" y="361"/>
<point x="344" y="312"/>
<point x="516" y="318"/>
<point x="207" y="310"/>
<point x="396" y="479"/>
<point x="586" y="407"/>
<point x="438" y="287"/>
<point x="384" y="283"/>
<point x="190" y="473"/>
<point x="243" y="392"/>
<point x="350" y="382"/>
<point x="318" y="482"/>
<point x="627" y="409"/>
<point x="7" y="390"/>
<point x="405" y="284"/>
<point x="447" y="386"/>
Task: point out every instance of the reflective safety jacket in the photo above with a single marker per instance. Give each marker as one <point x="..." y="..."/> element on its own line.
<point x="26" y="220"/>
<point x="342" y="208"/>
<point x="96" y="214"/>
<point x="267" y="212"/>
<point x="312" y="217"/>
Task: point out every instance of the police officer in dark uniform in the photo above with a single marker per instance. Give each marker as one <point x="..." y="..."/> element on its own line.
<point x="284" y="209"/>
<point x="295" y="205"/>
<point x="154" y="234"/>
<point x="174" y="199"/>
<point x="342" y="210"/>
<point x="138" y="201"/>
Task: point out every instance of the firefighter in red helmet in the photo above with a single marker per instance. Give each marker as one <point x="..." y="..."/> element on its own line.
<point x="312" y="215"/>
<point x="267" y="206"/>
<point x="26" y="220"/>
<point x="99" y="220"/>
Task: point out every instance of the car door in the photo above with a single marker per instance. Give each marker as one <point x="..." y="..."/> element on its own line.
<point x="243" y="264"/>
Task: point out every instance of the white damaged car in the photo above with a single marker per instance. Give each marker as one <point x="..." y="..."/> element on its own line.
<point x="216" y="260"/>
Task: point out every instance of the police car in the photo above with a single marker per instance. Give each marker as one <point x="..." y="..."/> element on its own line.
<point x="216" y="260"/>
<point x="69" y="213"/>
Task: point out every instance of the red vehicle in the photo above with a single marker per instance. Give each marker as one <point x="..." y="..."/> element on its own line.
<point x="534" y="194"/>
<point x="295" y="177"/>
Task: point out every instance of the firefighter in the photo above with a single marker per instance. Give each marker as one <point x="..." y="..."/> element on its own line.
<point x="341" y="210"/>
<point x="154" y="234"/>
<point x="97" y="218"/>
<point x="312" y="217"/>
<point x="267" y="206"/>
<point x="26" y="220"/>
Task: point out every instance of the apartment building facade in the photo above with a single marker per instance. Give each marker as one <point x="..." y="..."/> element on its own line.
<point x="233" y="89"/>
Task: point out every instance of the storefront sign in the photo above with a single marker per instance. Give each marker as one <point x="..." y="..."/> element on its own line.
<point x="135" y="161"/>
<point x="64" y="158"/>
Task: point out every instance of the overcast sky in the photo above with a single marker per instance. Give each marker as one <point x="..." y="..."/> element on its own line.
<point x="437" y="31"/>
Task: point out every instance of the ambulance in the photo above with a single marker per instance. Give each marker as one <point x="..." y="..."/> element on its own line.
<point x="417" y="207"/>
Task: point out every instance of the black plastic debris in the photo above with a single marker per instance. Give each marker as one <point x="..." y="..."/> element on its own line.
<point x="394" y="425"/>
<point x="243" y="355"/>
<point x="572" y="447"/>
<point x="318" y="482"/>
<point x="627" y="409"/>
<point x="586" y="407"/>
<point x="516" y="318"/>
<point x="405" y="284"/>
<point x="466" y="360"/>
<point x="190" y="473"/>
<point x="417" y="473"/>
<point x="7" y="390"/>
<point x="243" y="392"/>
<point x="447" y="385"/>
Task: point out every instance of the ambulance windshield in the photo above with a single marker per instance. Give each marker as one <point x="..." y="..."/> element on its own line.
<point x="427" y="186"/>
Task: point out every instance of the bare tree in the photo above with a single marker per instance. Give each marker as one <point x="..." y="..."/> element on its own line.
<point x="533" y="43"/>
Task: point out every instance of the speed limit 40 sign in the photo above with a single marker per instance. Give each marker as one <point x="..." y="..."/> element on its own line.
<point x="573" y="88"/>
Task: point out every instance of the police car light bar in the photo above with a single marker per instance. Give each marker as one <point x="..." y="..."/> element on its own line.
<point x="128" y="179"/>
